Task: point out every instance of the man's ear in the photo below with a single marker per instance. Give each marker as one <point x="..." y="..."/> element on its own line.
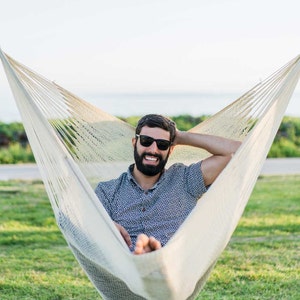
<point x="133" y="140"/>
<point x="171" y="149"/>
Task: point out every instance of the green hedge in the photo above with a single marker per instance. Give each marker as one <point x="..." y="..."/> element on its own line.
<point x="14" y="146"/>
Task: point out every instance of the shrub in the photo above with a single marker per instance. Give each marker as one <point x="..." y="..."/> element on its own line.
<point x="15" y="153"/>
<point x="284" y="147"/>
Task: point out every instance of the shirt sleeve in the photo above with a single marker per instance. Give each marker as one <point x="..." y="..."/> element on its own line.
<point x="194" y="180"/>
<point x="101" y="193"/>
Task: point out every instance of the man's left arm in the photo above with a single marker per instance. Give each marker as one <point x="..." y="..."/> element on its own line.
<point x="221" y="149"/>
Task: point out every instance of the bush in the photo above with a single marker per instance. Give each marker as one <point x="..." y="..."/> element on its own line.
<point x="14" y="147"/>
<point x="284" y="148"/>
<point x="15" y="153"/>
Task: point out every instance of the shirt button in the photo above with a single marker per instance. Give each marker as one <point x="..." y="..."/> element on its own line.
<point x="143" y="209"/>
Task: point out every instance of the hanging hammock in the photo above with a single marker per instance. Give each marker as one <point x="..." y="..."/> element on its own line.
<point x="77" y="145"/>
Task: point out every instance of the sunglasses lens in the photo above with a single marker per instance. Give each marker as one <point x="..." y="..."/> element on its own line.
<point x="162" y="145"/>
<point x="147" y="141"/>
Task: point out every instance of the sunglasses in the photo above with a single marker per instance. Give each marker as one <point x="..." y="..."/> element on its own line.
<point x="147" y="141"/>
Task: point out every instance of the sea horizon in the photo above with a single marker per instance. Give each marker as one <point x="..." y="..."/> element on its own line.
<point x="168" y="103"/>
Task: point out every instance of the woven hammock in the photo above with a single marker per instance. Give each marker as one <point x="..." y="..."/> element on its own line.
<point x="76" y="145"/>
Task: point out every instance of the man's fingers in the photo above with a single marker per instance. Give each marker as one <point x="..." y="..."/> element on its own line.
<point x="141" y="244"/>
<point x="142" y="239"/>
<point x="154" y="243"/>
<point x="145" y="244"/>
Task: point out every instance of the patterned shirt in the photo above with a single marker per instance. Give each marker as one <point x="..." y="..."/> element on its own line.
<point x="158" y="211"/>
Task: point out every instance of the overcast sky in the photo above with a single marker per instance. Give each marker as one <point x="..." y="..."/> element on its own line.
<point x="141" y="46"/>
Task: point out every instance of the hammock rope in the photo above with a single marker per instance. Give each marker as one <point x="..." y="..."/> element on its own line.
<point x="76" y="145"/>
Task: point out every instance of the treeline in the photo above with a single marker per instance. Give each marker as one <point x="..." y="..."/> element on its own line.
<point x="15" y="148"/>
<point x="287" y="140"/>
<point x="14" y="145"/>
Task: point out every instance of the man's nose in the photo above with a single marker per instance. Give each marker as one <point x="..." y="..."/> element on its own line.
<point x="153" y="147"/>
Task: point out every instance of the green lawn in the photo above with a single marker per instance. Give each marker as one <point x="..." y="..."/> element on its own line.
<point x="262" y="260"/>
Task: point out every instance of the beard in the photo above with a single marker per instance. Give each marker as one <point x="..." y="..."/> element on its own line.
<point x="149" y="170"/>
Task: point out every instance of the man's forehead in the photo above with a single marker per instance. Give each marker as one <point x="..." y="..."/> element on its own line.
<point x="155" y="132"/>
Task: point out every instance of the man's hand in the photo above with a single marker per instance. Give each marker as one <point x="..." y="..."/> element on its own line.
<point x="124" y="234"/>
<point x="145" y="244"/>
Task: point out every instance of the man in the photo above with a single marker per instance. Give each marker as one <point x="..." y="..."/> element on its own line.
<point x="148" y="203"/>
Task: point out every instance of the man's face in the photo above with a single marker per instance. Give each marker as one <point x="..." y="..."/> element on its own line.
<point x="150" y="160"/>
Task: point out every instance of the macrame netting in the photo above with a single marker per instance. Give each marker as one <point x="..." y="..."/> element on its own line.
<point x="77" y="145"/>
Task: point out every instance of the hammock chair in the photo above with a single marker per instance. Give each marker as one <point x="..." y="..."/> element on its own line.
<point x="76" y="145"/>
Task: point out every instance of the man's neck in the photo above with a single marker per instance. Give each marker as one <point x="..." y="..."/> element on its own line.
<point x="146" y="182"/>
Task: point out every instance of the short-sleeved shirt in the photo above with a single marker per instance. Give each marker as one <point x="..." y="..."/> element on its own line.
<point x="158" y="211"/>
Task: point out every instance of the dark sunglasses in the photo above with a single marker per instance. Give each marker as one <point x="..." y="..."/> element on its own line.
<point x="147" y="141"/>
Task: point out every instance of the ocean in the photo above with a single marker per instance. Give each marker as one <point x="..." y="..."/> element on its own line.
<point x="169" y="104"/>
<point x="173" y="104"/>
<point x="195" y="104"/>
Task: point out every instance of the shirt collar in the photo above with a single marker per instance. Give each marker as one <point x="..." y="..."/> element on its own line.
<point x="131" y="178"/>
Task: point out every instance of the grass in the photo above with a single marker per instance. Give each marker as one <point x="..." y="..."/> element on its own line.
<point x="35" y="260"/>
<point x="261" y="261"/>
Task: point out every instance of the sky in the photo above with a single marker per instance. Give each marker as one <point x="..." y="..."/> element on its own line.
<point x="94" y="47"/>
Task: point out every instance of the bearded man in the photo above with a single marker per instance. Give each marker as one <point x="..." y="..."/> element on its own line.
<point x="148" y="203"/>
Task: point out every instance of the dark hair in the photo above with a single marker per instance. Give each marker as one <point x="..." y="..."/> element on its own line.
<point x="154" y="120"/>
